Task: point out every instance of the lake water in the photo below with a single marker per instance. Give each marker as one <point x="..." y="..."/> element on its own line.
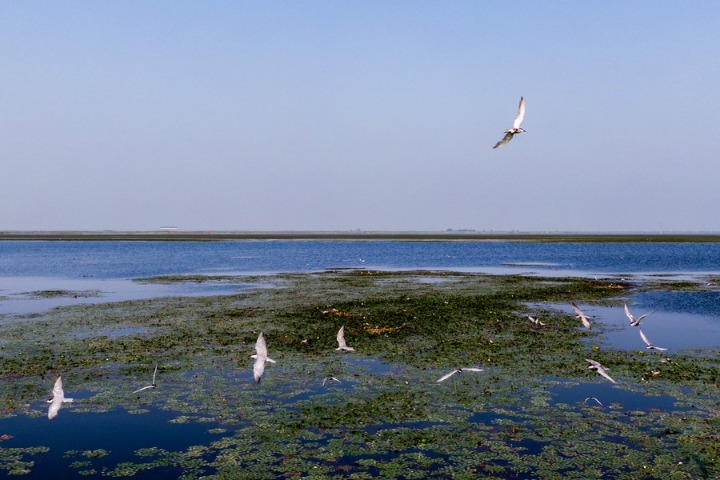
<point x="131" y="259"/>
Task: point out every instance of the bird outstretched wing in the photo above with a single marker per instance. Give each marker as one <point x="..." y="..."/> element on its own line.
<point x="508" y="136"/>
<point x="521" y="113"/>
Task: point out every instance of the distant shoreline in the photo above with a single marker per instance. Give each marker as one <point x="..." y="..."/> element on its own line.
<point x="198" y="236"/>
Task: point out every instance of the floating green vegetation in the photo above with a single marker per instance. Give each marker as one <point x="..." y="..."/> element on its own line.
<point x="387" y="416"/>
<point x="64" y="293"/>
<point x="169" y="279"/>
<point x="13" y="460"/>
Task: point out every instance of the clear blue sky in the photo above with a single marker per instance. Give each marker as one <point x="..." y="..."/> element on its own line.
<point x="373" y="115"/>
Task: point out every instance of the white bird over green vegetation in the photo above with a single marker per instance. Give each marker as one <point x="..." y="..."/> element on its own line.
<point x="535" y="321"/>
<point x="260" y="357"/>
<point x="341" y="341"/>
<point x="516" y="125"/>
<point x="58" y="399"/>
<point x="635" y="322"/>
<point x="599" y="369"/>
<point x="152" y="385"/>
<point x="458" y="370"/>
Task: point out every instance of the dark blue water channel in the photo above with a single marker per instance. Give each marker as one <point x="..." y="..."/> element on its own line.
<point x="118" y="432"/>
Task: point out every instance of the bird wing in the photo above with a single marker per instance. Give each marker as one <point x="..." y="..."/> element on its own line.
<point x="629" y="315"/>
<point x="341" y="337"/>
<point x="57" y="391"/>
<point x="261" y="347"/>
<point x="258" y="369"/>
<point x="154" y="373"/>
<point x="54" y="408"/>
<point x="508" y="136"/>
<point x="143" y="388"/>
<point x="602" y="372"/>
<point x="645" y="339"/>
<point x="577" y="310"/>
<point x="445" y="377"/>
<point x="521" y="114"/>
<point x="643" y="316"/>
<point x="594" y="363"/>
<point x="473" y="369"/>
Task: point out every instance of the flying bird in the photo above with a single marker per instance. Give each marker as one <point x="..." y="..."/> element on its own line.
<point x="650" y="346"/>
<point x="458" y="370"/>
<point x="593" y="398"/>
<point x="57" y="399"/>
<point x="341" y="341"/>
<point x="634" y="322"/>
<point x="599" y="369"/>
<point x="260" y="357"/>
<point x="330" y="379"/>
<point x="516" y="125"/>
<point x="581" y="315"/>
<point x="152" y="385"/>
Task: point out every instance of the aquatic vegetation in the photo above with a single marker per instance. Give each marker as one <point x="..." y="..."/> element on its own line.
<point x="63" y="293"/>
<point x="13" y="461"/>
<point x="524" y="416"/>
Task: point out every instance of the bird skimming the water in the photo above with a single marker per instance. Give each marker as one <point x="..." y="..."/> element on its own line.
<point x="634" y="322"/>
<point x="152" y="385"/>
<point x="599" y="369"/>
<point x="581" y="315"/>
<point x="650" y="346"/>
<point x="516" y="125"/>
<point x="260" y="357"/>
<point x="330" y="379"/>
<point x="341" y="341"/>
<point x="458" y="370"/>
<point x="58" y="399"/>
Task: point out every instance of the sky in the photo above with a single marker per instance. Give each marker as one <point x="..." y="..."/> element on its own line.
<point x="374" y="115"/>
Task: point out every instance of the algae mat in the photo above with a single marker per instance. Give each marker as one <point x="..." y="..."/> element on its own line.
<point x="535" y="411"/>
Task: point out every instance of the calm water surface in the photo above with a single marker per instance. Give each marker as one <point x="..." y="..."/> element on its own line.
<point x="123" y="260"/>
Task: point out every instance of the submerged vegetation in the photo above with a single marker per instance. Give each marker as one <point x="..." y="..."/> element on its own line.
<point x="524" y="416"/>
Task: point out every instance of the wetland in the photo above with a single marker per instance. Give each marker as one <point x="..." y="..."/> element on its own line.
<point x="527" y="415"/>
